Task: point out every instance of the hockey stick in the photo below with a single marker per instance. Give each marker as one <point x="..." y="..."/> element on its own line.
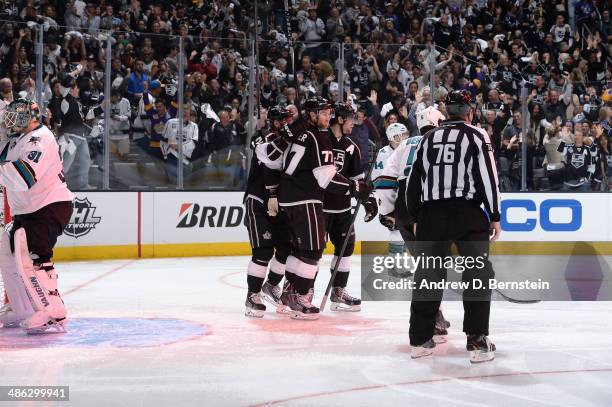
<point x="516" y="300"/>
<point x="348" y="234"/>
<point x="292" y="53"/>
<point x="604" y="177"/>
<point x="507" y="297"/>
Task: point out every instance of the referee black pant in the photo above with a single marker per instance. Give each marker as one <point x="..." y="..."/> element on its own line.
<point x="439" y="224"/>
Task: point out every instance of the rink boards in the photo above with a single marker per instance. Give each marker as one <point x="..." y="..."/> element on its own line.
<point x="179" y="223"/>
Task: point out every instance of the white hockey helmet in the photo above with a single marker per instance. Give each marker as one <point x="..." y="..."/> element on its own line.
<point x="429" y="117"/>
<point x="397" y="132"/>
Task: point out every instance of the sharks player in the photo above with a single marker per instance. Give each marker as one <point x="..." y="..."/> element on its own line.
<point x="337" y="208"/>
<point x="386" y="188"/>
<point x="41" y="203"/>
<point x="391" y="181"/>
<point x="268" y="233"/>
<point x="390" y="187"/>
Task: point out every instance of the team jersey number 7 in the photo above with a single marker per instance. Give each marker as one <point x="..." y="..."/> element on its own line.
<point x="293" y="158"/>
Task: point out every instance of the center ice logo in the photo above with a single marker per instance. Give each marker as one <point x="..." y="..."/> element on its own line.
<point x="83" y="218"/>
<point x="193" y="215"/>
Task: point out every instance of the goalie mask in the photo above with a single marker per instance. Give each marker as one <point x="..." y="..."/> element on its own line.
<point x="18" y="116"/>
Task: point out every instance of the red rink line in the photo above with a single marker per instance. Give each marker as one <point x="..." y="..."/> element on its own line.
<point x="101" y="276"/>
<point x="223" y="280"/>
<point x="426" y="381"/>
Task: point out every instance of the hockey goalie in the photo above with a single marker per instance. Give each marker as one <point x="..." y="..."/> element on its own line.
<point x="41" y="204"/>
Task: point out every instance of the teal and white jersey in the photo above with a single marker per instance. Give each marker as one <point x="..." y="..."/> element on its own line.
<point x="400" y="162"/>
<point x="381" y="160"/>
<point x="396" y="168"/>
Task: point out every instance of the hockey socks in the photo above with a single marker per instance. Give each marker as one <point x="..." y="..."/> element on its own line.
<point x="341" y="279"/>
<point x="254" y="283"/>
<point x="302" y="285"/>
<point x="289" y="276"/>
<point x="277" y="271"/>
<point x="273" y="278"/>
<point x="256" y="272"/>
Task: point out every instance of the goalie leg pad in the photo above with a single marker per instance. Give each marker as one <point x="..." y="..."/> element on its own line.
<point x="20" y="306"/>
<point x="40" y="282"/>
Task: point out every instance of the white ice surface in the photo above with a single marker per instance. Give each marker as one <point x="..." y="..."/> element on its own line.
<point x="549" y="354"/>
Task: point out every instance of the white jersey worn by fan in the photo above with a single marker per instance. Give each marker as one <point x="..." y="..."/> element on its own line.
<point x="32" y="172"/>
<point x="170" y="134"/>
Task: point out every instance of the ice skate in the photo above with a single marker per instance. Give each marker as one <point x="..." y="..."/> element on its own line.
<point x="423" y="350"/>
<point x="439" y="335"/>
<point x="288" y="293"/>
<point x="254" y="306"/>
<point x="8" y="318"/>
<point x="481" y="348"/>
<point x="400" y="273"/>
<point x="301" y="307"/>
<point x="310" y="294"/>
<point x="441" y="320"/>
<point x="397" y="248"/>
<point x="440" y="331"/>
<point x="342" y="301"/>
<point x="272" y="294"/>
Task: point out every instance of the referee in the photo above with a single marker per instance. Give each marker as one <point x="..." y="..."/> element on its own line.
<point x="454" y="173"/>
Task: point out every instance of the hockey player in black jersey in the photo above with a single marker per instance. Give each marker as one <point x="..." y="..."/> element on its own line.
<point x="268" y="233"/>
<point x="337" y="207"/>
<point x="309" y="172"/>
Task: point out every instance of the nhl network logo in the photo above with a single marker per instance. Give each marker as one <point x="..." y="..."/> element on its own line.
<point x="83" y="218"/>
<point x="193" y="215"/>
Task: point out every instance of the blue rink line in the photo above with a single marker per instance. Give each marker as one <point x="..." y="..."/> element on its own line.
<point x="108" y="332"/>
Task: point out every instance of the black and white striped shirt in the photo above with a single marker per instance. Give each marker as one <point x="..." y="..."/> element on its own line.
<point x="454" y="160"/>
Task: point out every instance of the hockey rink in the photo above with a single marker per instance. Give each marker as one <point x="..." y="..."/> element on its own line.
<point x="171" y="332"/>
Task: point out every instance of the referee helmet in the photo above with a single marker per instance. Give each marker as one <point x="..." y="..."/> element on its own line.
<point x="458" y="103"/>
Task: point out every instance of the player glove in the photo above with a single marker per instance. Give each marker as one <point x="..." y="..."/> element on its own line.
<point x="359" y="189"/>
<point x="285" y="131"/>
<point x="387" y="220"/>
<point x="371" y="208"/>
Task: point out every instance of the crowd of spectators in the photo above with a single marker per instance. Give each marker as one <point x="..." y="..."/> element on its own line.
<point x="386" y="54"/>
